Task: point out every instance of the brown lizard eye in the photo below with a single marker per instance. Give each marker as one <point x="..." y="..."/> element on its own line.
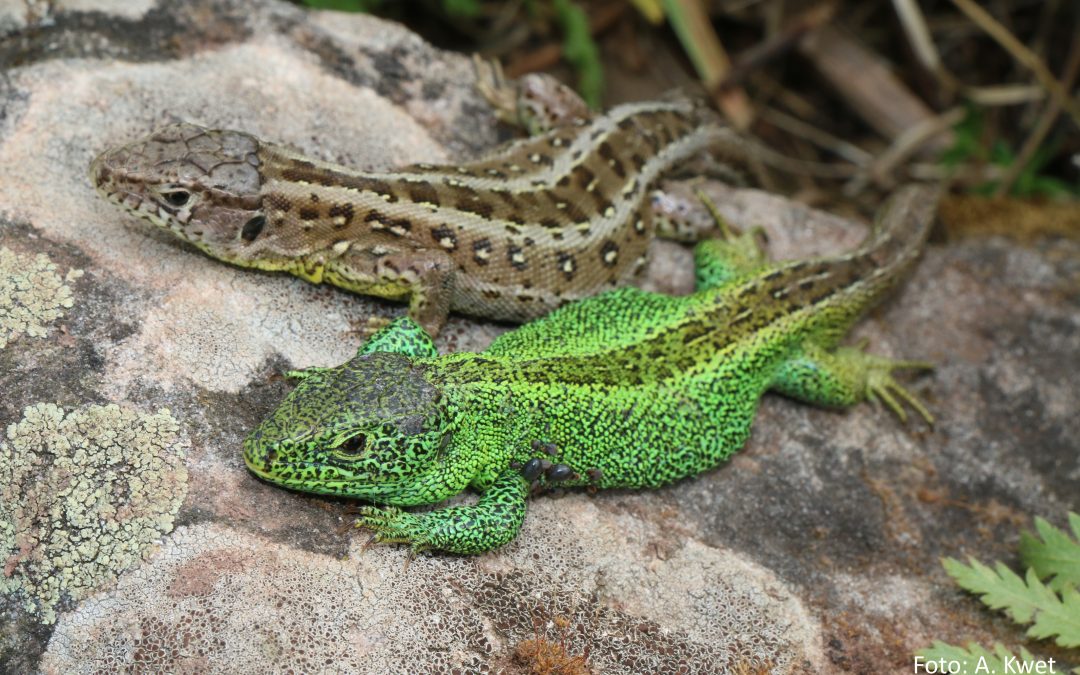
<point x="252" y="228"/>
<point x="177" y="197"/>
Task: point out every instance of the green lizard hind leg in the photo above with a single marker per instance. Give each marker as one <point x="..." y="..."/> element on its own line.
<point x="401" y="336"/>
<point x="718" y="261"/>
<point x="493" y="521"/>
<point x="845" y="377"/>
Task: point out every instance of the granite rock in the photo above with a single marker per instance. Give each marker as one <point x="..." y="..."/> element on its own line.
<point x="814" y="550"/>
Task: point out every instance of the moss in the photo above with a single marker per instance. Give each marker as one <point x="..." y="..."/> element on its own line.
<point x="83" y="496"/>
<point x="31" y="294"/>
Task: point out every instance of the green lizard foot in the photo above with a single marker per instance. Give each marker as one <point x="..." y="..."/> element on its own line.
<point x="846" y="376"/>
<point x="879" y="384"/>
<point x="719" y="260"/>
<point x="394" y="526"/>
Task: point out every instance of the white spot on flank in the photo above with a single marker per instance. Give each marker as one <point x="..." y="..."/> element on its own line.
<point x="609" y="212"/>
<point x="340" y="247"/>
<point x="534" y="158"/>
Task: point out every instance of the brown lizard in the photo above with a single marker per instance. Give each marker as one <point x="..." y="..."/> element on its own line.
<point x="535" y="224"/>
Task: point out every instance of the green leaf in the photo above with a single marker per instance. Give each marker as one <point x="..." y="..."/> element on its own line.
<point x="1053" y="554"/>
<point x="1024" y="601"/>
<point x="967" y="145"/>
<point x="462" y="7"/>
<point x="345" y="5"/>
<point x="1058" y="619"/>
<point x="580" y="50"/>
<point x="976" y="659"/>
<point x="1002" y="589"/>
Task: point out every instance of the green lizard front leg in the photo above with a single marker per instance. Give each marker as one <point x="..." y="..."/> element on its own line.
<point x="400" y="336"/>
<point x="493" y="521"/>
<point x="721" y="260"/>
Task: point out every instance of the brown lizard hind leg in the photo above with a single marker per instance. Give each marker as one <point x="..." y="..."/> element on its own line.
<point x="535" y="102"/>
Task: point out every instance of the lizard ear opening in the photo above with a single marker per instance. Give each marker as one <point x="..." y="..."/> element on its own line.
<point x="253" y="228"/>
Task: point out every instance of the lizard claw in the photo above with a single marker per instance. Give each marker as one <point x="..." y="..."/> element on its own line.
<point x="747" y="244"/>
<point x="305" y="373"/>
<point x="881" y="387"/>
<point x="394" y="526"/>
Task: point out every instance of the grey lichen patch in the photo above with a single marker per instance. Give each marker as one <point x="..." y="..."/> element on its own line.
<point x="83" y="496"/>
<point x="32" y="294"/>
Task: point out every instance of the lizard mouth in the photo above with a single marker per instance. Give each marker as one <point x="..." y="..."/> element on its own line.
<point x="311" y="477"/>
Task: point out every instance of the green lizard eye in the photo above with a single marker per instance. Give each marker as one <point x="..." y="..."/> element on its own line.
<point x="352" y="447"/>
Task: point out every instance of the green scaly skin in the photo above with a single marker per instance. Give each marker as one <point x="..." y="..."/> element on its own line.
<point x="626" y="389"/>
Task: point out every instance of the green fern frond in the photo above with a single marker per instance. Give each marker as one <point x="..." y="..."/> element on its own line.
<point x="1055" y="557"/>
<point x="999" y="588"/>
<point x="1025" y="601"/>
<point x="1060" y="619"/>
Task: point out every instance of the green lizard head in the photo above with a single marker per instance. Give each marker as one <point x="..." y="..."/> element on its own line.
<point x="365" y="429"/>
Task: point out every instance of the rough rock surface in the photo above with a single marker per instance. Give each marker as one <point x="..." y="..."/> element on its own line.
<point x="815" y="549"/>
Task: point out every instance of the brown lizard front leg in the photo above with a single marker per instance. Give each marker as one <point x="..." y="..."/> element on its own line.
<point x="424" y="276"/>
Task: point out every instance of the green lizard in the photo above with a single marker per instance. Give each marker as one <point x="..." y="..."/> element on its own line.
<point x="625" y="389"/>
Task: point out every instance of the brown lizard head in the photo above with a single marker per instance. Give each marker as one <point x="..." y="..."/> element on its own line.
<point x="200" y="184"/>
